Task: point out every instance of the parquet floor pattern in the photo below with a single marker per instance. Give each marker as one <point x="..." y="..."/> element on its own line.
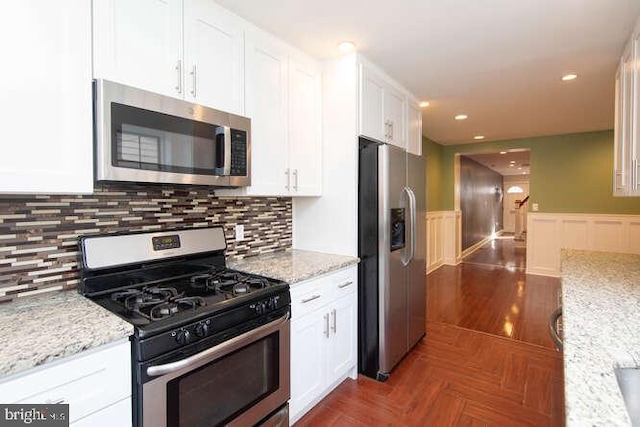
<point x="455" y="377"/>
<point x="469" y="370"/>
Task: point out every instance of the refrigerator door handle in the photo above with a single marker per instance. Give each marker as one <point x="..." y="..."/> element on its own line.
<point x="409" y="248"/>
<point x="412" y="219"/>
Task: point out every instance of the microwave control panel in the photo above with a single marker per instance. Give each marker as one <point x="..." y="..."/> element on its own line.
<point x="239" y="153"/>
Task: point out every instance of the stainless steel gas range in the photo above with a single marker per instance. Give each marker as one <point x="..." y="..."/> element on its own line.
<point x="211" y="345"/>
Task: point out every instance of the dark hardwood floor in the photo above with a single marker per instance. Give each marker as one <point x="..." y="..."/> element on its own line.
<point x="486" y="359"/>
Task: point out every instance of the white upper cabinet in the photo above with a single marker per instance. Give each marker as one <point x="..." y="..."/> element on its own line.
<point x="372" y="119"/>
<point x="395" y="104"/>
<point x="305" y="144"/>
<point x="384" y="113"/>
<point x="414" y="133"/>
<point x="139" y="43"/>
<point x="46" y="97"/>
<point x="626" y="180"/>
<point x="189" y="49"/>
<point x="213" y="56"/>
<point x="266" y="104"/>
<point x="283" y="101"/>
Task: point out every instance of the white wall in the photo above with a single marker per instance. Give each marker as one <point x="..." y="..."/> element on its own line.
<point x="330" y="223"/>
<point x="443" y="239"/>
<point x="548" y="233"/>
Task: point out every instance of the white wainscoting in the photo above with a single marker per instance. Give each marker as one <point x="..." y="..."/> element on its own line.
<point x="548" y="233"/>
<point x="435" y="242"/>
<point x="443" y="239"/>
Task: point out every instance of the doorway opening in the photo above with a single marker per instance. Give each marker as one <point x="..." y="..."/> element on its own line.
<point x="492" y="194"/>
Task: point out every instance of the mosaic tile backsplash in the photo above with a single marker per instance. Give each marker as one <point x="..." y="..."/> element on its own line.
<point x="38" y="234"/>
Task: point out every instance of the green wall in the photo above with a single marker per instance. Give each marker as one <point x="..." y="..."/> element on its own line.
<point x="569" y="173"/>
<point x="433" y="153"/>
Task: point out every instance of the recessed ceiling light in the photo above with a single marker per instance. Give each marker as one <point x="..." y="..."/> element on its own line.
<point x="503" y="152"/>
<point x="511" y="165"/>
<point x="569" y="77"/>
<point x="512" y="161"/>
<point x="519" y="169"/>
<point x="524" y="173"/>
<point x="478" y="137"/>
<point x="424" y="104"/>
<point x="346" y="46"/>
<point x="461" y="117"/>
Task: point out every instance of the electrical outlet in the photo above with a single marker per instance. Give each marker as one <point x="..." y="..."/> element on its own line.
<point x="239" y="233"/>
<point x="535" y="207"/>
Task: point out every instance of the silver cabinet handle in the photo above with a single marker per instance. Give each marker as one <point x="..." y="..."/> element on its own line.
<point x="334" y="313"/>
<point x="617" y="179"/>
<point x="391" y="130"/>
<point x="345" y="284"/>
<point x="326" y="325"/>
<point x="295" y="179"/>
<point x="387" y="127"/>
<point x="194" y="80"/>
<point x="311" y="298"/>
<point x="288" y="174"/>
<point x="179" y="72"/>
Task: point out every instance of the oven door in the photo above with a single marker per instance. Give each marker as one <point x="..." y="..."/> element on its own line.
<point x="238" y="382"/>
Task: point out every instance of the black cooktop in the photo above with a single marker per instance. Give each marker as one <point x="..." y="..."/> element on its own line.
<point x="153" y="301"/>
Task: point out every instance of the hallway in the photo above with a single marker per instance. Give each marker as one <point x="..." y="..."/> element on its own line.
<point x="487" y="359"/>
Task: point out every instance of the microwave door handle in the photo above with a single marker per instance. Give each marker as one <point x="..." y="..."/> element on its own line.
<point x="220" y="349"/>
<point x="227" y="151"/>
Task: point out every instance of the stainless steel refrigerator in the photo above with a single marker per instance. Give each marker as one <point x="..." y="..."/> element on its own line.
<point x="391" y="246"/>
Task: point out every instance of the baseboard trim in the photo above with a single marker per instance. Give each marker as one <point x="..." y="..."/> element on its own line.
<point x="475" y="247"/>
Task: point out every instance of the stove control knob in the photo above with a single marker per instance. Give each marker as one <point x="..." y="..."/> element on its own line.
<point x="271" y="303"/>
<point x="202" y="330"/>
<point x="260" y="308"/>
<point x="183" y="337"/>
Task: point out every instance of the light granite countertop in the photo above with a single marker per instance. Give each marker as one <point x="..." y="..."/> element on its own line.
<point x="293" y="266"/>
<point x="601" y="330"/>
<point x="42" y="328"/>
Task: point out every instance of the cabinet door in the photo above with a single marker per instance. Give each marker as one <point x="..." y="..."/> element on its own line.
<point x="620" y="148"/>
<point x="308" y="348"/>
<point x="266" y="106"/>
<point x="214" y="56"/>
<point x="305" y="127"/>
<point x="118" y="414"/>
<point x="634" y="141"/>
<point x="372" y="105"/>
<point x="139" y="43"/>
<point x="395" y="116"/>
<point x="343" y="332"/>
<point x="46" y="97"/>
<point x="414" y="133"/>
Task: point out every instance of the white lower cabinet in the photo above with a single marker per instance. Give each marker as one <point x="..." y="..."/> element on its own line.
<point x="323" y="337"/>
<point x="96" y="384"/>
<point x="118" y="414"/>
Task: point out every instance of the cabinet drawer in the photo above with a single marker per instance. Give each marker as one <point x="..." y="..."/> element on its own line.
<point x="313" y="294"/>
<point x="344" y="282"/>
<point x="87" y="382"/>
<point x="118" y="414"/>
<point x="309" y="296"/>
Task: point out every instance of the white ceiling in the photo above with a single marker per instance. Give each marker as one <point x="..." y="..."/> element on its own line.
<point x="512" y="162"/>
<point x="499" y="61"/>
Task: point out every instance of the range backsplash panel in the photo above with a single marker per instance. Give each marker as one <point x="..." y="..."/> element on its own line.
<point x="38" y="234"/>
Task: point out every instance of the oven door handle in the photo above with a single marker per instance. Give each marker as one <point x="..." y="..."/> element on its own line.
<point x="154" y="371"/>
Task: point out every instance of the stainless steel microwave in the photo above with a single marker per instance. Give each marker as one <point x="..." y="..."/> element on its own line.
<point x="144" y="137"/>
